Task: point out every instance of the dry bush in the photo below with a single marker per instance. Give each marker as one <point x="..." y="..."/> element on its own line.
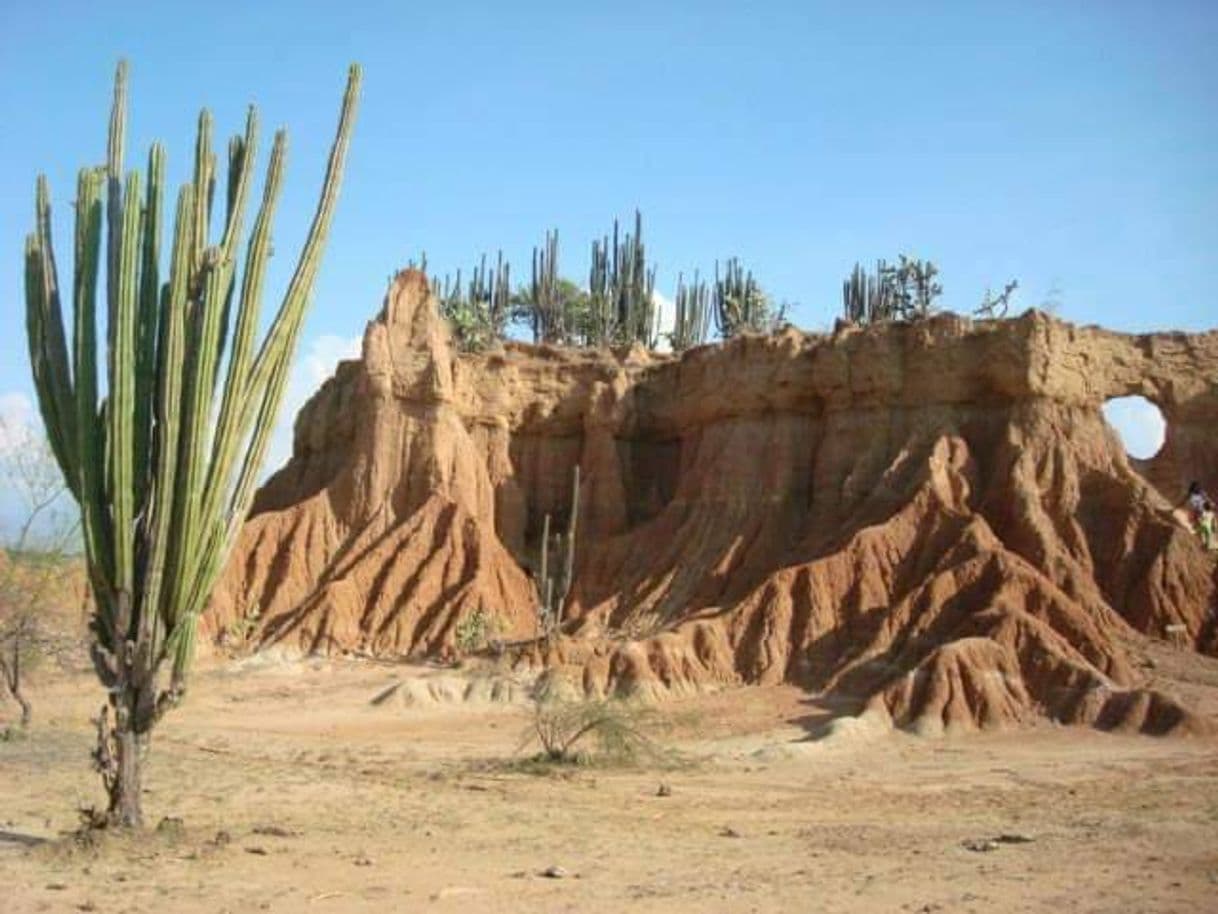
<point x="41" y="583"/>
<point x="577" y="731"/>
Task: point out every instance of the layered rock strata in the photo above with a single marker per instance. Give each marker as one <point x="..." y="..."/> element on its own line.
<point x="931" y="520"/>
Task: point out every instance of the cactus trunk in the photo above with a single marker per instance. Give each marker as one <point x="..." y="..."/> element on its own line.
<point x="164" y="466"/>
<point x="554" y="584"/>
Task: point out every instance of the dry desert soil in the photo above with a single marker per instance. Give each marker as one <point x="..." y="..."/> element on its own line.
<point x="283" y="787"/>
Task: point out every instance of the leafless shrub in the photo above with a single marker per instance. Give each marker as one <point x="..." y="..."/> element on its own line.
<point x="35" y="563"/>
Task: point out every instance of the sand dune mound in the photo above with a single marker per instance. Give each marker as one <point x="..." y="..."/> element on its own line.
<point x="446" y="690"/>
<point x="929" y="520"/>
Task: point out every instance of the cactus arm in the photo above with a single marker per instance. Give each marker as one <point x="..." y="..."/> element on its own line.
<point x="60" y="388"/>
<point x="88" y="462"/>
<point x="545" y="585"/>
<point x="233" y="410"/>
<point x="240" y="177"/>
<point x="218" y="290"/>
<point x="204" y="358"/>
<point x="301" y="283"/>
<point x="569" y="570"/>
<point x="240" y="149"/>
<point x="48" y="343"/>
<point x="225" y="527"/>
<point x="171" y="359"/>
<point x="147" y="326"/>
<point x="115" y="143"/>
<point x="204" y="183"/>
<point x="257" y="256"/>
<point x="268" y="374"/>
<point x="120" y="412"/>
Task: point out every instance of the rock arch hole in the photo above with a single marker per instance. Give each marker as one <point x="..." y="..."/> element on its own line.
<point x="1139" y="423"/>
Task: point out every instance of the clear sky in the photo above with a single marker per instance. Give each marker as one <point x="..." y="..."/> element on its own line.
<point x="1070" y="145"/>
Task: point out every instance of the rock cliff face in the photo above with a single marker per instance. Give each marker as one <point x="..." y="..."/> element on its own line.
<point x="931" y="520"/>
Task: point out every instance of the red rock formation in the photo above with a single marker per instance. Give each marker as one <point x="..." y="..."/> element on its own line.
<point x="929" y="519"/>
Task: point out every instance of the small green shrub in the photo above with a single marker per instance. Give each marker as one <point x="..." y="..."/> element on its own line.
<point x="478" y="630"/>
<point x="571" y="731"/>
<point x="240" y="630"/>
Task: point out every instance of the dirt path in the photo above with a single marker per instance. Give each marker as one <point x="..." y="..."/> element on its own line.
<point x="296" y="794"/>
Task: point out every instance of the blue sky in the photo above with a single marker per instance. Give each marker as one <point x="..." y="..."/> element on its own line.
<point x="1071" y="145"/>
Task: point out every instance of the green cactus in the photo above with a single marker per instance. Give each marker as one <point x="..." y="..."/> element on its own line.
<point x="854" y="295"/>
<point x="163" y="467"/>
<point x="548" y="314"/>
<point x="554" y="588"/>
<point x="621" y="288"/>
<point x="741" y="306"/>
<point x="906" y="291"/>
<point x="601" y="304"/>
<point x="692" y="314"/>
<point x="478" y="312"/>
<point x="490" y="296"/>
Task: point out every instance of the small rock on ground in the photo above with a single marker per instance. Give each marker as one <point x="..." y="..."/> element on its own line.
<point x="980" y="845"/>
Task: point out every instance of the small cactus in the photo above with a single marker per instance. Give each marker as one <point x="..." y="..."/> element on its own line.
<point x="554" y="588"/>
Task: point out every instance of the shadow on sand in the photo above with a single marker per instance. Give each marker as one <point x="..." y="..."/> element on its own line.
<point x="20" y="840"/>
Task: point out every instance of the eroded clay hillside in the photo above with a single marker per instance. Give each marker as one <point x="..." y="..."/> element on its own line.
<point x="931" y="520"/>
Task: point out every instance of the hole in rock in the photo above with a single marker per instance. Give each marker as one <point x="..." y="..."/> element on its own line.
<point x="1139" y="423"/>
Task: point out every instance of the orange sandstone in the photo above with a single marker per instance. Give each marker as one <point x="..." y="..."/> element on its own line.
<point x="930" y="520"/>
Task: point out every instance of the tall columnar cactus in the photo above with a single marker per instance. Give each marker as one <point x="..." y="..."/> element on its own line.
<point x="634" y="286"/>
<point x="603" y="328"/>
<point x="490" y="293"/>
<point x="549" y="325"/>
<point x="883" y="302"/>
<point x="622" y="289"/>
<point x="478" y="312"/>
<point x="572" y="521"/>
<point x="740" y="304"/>
<point x="447" y="291"/>
<point x="906" y="291"/>
<point x="164" y="465"/>
<point x="692" y="314"/>
<point x="554" y="587"/>
<point x="854" y="295"/>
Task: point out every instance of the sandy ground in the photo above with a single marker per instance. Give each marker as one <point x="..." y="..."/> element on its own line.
<point x="296" y="793"/>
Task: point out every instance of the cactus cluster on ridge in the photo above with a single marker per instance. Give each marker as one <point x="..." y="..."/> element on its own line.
<point x="691" y="319"/>
<point x="479" y="310"/>
<point x="622" y="289"/>
<point x="903" y="291"/>
<point x="618" y="307"/>
<point x="740" y="304"/>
